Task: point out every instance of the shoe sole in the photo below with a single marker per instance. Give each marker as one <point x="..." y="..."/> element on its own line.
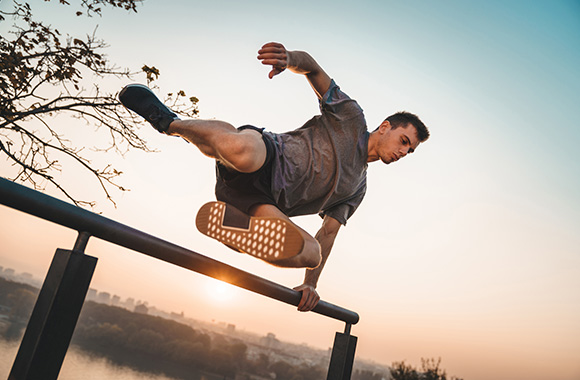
<point x="267" y="238"/>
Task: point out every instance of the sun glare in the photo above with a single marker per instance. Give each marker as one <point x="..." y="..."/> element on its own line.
<point x="220" y="292"/>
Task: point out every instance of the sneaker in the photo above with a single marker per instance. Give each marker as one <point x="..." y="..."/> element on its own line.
<point x="267" y="238"/>
<point x="144" y="102"/>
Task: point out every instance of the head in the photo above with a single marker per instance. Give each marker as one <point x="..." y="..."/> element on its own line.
<point x="397" y="136"/>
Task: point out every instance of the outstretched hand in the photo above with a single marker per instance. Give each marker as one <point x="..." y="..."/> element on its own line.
<point x="309" y="298"/>
<point x="276" y="55"/>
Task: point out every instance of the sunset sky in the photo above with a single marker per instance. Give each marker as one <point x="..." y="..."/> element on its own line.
<point x="468" y="250"/>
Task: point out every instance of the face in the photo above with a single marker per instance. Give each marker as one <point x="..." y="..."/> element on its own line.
<point x="394" y="144"/>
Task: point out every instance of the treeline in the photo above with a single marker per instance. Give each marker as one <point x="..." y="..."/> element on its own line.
<point x="16" y="304"/>
<point x="153" y="343"/>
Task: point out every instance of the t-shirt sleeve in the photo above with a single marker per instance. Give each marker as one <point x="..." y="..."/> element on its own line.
<point x="338" y="104"/>
<point x="343" y="211"/>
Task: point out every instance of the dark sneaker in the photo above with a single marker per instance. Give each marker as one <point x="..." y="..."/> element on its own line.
<point x="267" y="238"/>
<point x="144" y="102"/>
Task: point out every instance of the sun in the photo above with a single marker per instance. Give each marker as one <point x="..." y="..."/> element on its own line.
<point x="220" y="292"/>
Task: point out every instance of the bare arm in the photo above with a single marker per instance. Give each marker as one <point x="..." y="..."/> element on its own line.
<point x="325" y="236"/>
<point x="300" y="62"/>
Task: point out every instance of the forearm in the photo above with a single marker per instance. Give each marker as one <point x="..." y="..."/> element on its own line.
<point x="275" y="54"/>
<point x="325" y="236"/>
<point x="300" y="62"/>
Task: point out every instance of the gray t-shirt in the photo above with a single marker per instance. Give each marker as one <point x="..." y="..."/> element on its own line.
<point x="321" y="167"/>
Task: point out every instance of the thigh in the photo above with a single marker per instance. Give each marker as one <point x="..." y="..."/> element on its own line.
<point x="243" y="151"/>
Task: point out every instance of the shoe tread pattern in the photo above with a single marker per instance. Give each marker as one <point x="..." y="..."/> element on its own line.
<point x="266" y="238"/>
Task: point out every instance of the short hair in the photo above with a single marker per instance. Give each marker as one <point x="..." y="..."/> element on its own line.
<point x="403" y="118"/>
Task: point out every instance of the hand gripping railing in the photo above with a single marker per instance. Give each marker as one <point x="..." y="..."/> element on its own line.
<point x="73" y="269"/>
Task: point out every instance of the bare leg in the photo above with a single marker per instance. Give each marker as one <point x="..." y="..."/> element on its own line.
<point x="243" y="151"/>
<point x="310" y="256"/>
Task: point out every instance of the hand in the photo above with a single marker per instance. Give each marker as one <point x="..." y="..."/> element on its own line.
<point x="274" y="54"/>
<point x="309" y="298"/>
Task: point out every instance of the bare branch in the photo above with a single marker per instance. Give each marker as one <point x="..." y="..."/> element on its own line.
<point x="41" y="76"/>
<point x="43" y="175"/>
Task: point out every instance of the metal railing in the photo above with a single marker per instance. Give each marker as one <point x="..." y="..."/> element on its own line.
<point x="58" y="305"/>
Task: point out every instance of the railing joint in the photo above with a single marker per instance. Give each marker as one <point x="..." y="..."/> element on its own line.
<point x="347" y="328"/>
<point x="81" y="242"/>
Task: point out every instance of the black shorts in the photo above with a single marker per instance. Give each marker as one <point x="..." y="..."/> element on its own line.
<point x="244" y="190"/>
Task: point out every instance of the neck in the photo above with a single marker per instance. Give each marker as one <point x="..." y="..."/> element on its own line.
<point x="372" y="154"/>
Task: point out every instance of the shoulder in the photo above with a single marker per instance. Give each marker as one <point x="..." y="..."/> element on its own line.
<point x="336" y="102"/>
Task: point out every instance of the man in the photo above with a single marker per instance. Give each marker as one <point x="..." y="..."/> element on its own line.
<point x="264" y="178"/>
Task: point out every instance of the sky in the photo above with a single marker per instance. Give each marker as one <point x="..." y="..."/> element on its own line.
<point x="466" y="250"/>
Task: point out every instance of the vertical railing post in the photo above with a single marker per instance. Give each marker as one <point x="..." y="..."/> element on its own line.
<point x="55" y="314"/>
<point x="342" y="358"/>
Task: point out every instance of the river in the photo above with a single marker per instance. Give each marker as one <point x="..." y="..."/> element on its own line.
<point x="79" y="365"/>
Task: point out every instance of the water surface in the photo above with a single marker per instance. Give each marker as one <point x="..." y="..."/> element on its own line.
<point x="80" y="365"/>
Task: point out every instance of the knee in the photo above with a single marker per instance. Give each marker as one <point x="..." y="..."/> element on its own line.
<point x="312" y="263"/>
<point x="311" y="255"/>
<point x="246" y="154"/>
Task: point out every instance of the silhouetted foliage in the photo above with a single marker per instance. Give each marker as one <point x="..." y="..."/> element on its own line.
<point x="45" y="73"/>
<point x="430" y="370"/>
<point x="10" y="288"/>
<point x="286" y="371"/>
<point x="18" y="301"/>
<point x="402" y="371"/>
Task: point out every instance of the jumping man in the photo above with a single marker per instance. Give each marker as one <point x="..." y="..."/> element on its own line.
<point x="264" y="178"/>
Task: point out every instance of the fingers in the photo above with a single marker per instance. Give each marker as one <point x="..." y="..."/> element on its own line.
<point x="274" y="54"/>
<point x="275" y="71"/>
<point x="272" y="47"/>
<point x="309" y="298"/>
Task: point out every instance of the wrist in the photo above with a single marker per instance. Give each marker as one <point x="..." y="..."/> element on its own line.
<point x="289" y="59"/>
<point x="311" y="284"/>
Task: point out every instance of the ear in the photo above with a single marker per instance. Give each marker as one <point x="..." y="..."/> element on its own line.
<point x="385" y="125"/>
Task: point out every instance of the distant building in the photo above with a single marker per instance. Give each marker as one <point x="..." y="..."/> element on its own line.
<point x="270" y="341"/>
<point x="92" y="295"/>
<point x="9" y="273"/>
<point x="104" y="297"/>
<point x="130" y="303"/>
<point x="141" y="309"/>
<point x="116" y="300"/>
<point x="231" y="328"/>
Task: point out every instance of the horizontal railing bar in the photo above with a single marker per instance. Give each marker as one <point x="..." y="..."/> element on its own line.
<point x="65" y="214"/>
